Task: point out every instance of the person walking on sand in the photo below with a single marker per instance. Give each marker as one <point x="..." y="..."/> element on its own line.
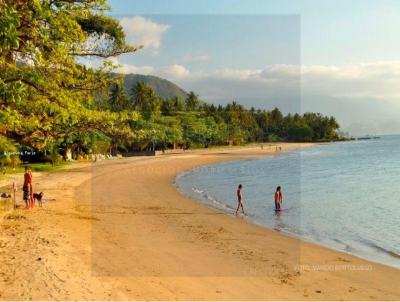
<point x="240" y="198"/>
<point x="278" y="198"/>
<point x="28" y="188"/>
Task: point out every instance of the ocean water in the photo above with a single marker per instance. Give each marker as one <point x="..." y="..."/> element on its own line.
<point x="342" y="195"/>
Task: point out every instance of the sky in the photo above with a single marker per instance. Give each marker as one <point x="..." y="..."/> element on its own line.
<point x="339" y="58"/>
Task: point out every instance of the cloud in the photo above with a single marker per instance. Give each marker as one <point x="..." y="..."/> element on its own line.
<point x="172" y="72"/>
<point x="236" y="74"/>
<point x="127" y="68"/>
<point x="175" y="71"/>
<point x="122" y="67"/>
<point x="143" y="31"/>
<point x="377" y="80"/>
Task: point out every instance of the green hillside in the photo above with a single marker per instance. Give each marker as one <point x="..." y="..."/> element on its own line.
<point x="162" y="87"/>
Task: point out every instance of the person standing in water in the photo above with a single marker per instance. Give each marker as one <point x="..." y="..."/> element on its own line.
<point x="278" y="198"/>
<point x="239" y="197"/>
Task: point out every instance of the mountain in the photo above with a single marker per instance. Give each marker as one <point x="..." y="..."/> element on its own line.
<point x="162" y="87"/>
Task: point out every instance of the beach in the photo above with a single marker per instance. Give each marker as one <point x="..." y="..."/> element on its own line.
<point x="119" y="230"/>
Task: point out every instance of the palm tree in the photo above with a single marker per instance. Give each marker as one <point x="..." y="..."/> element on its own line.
<point x="192" y="101"/>
<point x="118" y="99"/>
<point x="141" y="93"/>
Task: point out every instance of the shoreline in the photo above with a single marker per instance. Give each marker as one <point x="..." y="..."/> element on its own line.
<point x="120" y="230"/>
<point x="226" y="210"/>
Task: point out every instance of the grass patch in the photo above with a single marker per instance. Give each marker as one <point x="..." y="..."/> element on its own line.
<point x="46" y="167"/>
<point x="36" y="167"/>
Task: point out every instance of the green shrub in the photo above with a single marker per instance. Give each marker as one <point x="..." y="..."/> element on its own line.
<point x="273" y="138"/>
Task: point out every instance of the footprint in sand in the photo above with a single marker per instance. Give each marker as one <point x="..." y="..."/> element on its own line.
<point x="222" y="230"/>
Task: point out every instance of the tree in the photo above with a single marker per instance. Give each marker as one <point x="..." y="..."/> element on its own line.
<point x="118" y="100"/>
<point x="172" y="131"/>
<point x="178" y="104"/>
<point x="140" y="93"/>
<point x="167" y="107"/>
<point x="301" y="133"/>
<point x="172" y="106"/>
<point x="324" y="127"/>
<point x="192" y="102"/>
<point x="276" y="120"/>
<point x="145" y="100"/>
<point x="46" y="92"/>
<point x="332" y="129"/>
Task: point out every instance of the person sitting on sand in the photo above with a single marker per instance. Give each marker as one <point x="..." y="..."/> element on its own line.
<point x="239" y="197"/>
<point x="28" y="188"/>
<point x="278" y="198"/>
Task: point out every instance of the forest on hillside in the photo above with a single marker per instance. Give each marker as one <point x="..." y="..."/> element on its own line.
<point x="51" y="102"/>
<point x="191" y="122"/>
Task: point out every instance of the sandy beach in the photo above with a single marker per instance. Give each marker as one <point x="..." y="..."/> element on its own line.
<point x="119" y="230"/>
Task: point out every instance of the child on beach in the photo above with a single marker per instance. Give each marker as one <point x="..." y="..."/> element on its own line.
<point x="278" y="198"/>
<point x="239" y="197"/>
<point x="28" y="188"/>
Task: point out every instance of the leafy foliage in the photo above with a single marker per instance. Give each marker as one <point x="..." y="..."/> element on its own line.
<point x="202" y="124"/>
<point x="45" y="93"/>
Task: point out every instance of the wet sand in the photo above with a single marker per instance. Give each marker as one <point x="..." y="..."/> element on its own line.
<point x="120" y="230"/>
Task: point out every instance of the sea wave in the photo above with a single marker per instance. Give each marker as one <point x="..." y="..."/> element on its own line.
<point x="382" y="249"/>
<point x="211" y="199"/>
